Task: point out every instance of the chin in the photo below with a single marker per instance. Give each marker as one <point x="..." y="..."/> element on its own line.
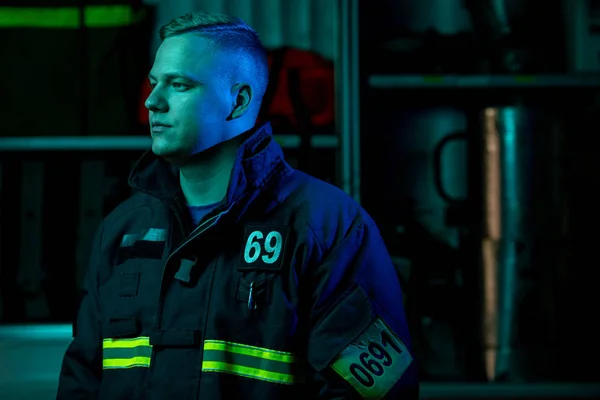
<point x="159" y="147"/>
<point x="162" y="148"/>
<point x="169" y="152"/>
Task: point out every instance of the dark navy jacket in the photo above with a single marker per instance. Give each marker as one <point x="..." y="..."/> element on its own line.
<point x="286" y="291"/>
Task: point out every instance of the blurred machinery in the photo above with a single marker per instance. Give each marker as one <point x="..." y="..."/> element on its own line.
<point x="464" y="106"/>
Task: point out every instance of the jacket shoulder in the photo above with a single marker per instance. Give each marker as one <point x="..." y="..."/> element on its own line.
<point x="329" y="211"/>
<point x="126" y="217"/>
<point x="128" y="207"/>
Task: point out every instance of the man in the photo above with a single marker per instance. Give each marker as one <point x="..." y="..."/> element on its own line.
<point x="229" y="275"/>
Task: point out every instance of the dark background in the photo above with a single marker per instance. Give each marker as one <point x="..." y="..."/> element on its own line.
<point x="423" y="88"/>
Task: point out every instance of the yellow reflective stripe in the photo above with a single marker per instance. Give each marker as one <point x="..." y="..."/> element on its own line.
<point x="126" y="353"/>
<point x="260" y="352"/>
<point x="248" y="372"/>
<point x="250" y="362"/>
<point x="67" y="17"/>
<point x="125" y="343"/>
<point x="114" y="363"/>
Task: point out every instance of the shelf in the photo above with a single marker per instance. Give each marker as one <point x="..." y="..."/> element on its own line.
<point x="430" y="390"/>
<point x="131" y="143"/>
<point x="381" y="81"/>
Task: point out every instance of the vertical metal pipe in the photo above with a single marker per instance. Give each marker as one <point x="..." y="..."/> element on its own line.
<point x="2" y="222"/>
<point x="503" y="186"/>
<point x="512" y="140"/>
<point x="355" y="104"/>
<point x="83" y="65"/>
<point x="348" y="85"/>
<point x="32" y="274"/>
<point x="342" y="88"/>
<point x="492" y="233"/>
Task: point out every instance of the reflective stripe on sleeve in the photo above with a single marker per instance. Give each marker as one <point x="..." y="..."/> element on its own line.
<point x="250" y="362"/>
<point x="126" y="353"/>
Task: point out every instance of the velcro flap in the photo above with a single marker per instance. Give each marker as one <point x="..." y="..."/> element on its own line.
<point x="339" y="328"/>
<point x="122" y="327"/>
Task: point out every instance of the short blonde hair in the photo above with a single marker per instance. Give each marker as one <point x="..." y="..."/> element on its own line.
<point x="230" y="33"/>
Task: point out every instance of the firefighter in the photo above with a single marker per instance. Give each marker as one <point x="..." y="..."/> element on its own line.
<point x="228" y="274"/>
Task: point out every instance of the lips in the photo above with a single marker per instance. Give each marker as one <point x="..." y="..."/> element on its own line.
<point x="158" y="127"/>
<point x="157" y="124"/>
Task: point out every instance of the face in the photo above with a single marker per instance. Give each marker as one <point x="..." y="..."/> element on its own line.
<point x="190" y="101"/>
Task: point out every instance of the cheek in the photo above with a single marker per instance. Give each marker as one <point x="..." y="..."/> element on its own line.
<point x="187" y="113"/>
<point x="201" y="113"/>
<point x="215" y="103"/>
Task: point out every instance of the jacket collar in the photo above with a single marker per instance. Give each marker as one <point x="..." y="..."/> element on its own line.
<point x="258" y="158"/>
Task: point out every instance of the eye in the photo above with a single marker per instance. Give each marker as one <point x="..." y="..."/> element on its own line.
<point x="179" y="86"/>
<point x="151" y="85"/>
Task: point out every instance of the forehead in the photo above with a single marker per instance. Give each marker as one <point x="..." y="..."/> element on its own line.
<point x="191" y="54"/>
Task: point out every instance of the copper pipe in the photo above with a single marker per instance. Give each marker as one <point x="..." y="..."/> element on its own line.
<point x="491" y="238"/>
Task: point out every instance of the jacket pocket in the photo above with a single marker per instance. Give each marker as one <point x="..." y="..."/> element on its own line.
<point x="121" y="328"/>
<point x="128" y="283"/>
<point x="255" y="288"/>
<point x="134" y="286"/>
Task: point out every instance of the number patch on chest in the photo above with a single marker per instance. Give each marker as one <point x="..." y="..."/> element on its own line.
<point x="263" y="247"/>
<point x="374" y="362"/>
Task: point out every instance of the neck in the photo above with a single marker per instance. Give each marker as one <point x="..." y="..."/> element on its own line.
<point x="204" y="179"/>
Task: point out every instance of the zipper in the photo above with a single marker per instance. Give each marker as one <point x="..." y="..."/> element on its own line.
<point x="200" y="229"/>
<point x="203" y="227"/>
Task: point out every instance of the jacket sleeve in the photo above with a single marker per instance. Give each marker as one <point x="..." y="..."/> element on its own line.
<point x="359" y="345"/>
<point x="81" y="370"/>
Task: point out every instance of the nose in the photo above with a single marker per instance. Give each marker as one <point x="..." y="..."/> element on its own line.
<point x="155" y="102"/>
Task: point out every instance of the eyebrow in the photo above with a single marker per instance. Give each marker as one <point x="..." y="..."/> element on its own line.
<point x="176" y="75"/>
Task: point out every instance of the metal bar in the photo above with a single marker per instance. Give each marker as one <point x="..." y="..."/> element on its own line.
<point x="343" y="86"/>
<point x="143" y="143"/>
<point x="74" y="143"/>
<point x="91" y="212"/>
<point x="324" y="141"/>
<point x="355" y="99"/>
<point x="349" y="99"/>
<point x="84" y="70"/>
<point x="35" y="332"/>
<point x="1" y="222"/>
<point x="31" y="274"/>
<point x="579" y="36"/>
<point x="509" y="391"/>
<point x="513" y="181"/>
<point x="483" y="81"/>
<point x="490" y="241"/>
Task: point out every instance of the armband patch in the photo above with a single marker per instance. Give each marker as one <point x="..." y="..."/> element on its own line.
<point x="374" y="361"/>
